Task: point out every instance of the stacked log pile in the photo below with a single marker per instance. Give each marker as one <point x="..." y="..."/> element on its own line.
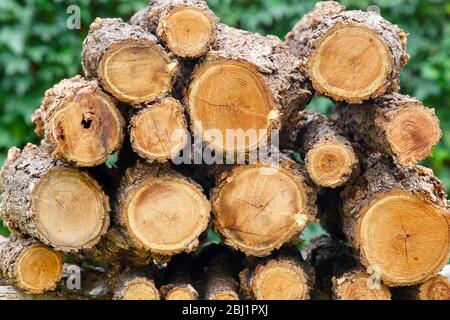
<point x="175" y="75"/>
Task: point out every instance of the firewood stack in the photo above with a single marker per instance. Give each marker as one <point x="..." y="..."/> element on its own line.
<point x="175" y="75"/>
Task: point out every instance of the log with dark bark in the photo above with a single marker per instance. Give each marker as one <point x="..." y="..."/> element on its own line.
<point x="186" y="27"/>
<point x="220" y="274"/>
<point x="282" y="276"/>
<point x="249" y="83"/>
<point x="259" y="207"/>
<point x="349" y="55"/>
<point x="82" y="123"/>
<point x="394" y="124"/>
<point x="160" y="211"/>
<point x="397" y="219"/>
<point x="329" y="156"/>
<point x="128" y="61"/>
<point x="29" y="265"/>
<point x="436" y="288"/>
<point x="339" y="275"/>
<point x="52" y="201"/>
<point x="179" y="280"/>
<point x="159" y="132"/>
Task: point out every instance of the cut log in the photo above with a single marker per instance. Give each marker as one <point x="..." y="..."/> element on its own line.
<point x="179" y="280"/>
<point x="358" y="285"/>
<point x="247" y="83"/>
<point x="186" y="27"/>
<point x="259" y="207"/>
<point x="398" y="221"/>
<point x="394" y="124"/>
<point x="221" y="279"/>
<point x="159" y="132"/>
<point x="282" y="276"/>
<point x="128" y="61"/>
<point x="81" y="122"/>
<point x="29" y="265"/>
<point x="329" y="156"/>
<point x="51" y="201"/>
<point x="329" y="258"/>
<point x="160" y="211"/>
<point x="130" y="285"/>
<point x="12" y="293"/>
<point x="349" y="55"/>
<point x="339" y="275"/>
<point x="436" y="288"/>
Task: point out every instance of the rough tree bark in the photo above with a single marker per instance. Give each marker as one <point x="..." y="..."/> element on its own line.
<point x="128" y="61"/>
<point x="329" y="156"/>
<point x="349" y="55"/>
<point x="248" y="82"/>
<point x="394" y="124"/>
<point x="51" y="201"/>
<point x="12" y="293"/>
<point x="398" y="222"/>
<point x="186" y="27"/>
<point x="159" y="132"/>
<point x="282" y="276"/>
<point x="29" y="265"/>
<point x="259" y="207"/>
<point x="160" y="211"/>
<point x="82" y="123"/>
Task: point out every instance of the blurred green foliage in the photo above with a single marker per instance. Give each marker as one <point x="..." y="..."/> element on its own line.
<point x="37" y="50"/>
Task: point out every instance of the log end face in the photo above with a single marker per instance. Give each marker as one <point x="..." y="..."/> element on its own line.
<point x="139" y="289"/>
<point x="331" y="163"/>
<point x="259" y="208"/>
<point x="403" y="237"/>
<point x="87" y="129"/>
<point x="227" y="96"/>
<point x="351" y="63"/>
<point x="412" y="133"/>
<point x="358" y="286"/>
<point x="280" y="280"/>
<point x="136" y="72"/>
<point x="186" y="292"/>
<point x="437" y="288"/>
<point x="159" y="132"/>
<point x="188" y="31"/>
<point x="70" y="208"/>
<point x="39" y="269"/>
<point x="166" y="215"/>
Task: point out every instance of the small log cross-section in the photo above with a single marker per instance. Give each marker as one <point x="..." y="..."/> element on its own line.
<point x="128" y="61"/>
<point x="244" y="87"/>
<point x="259" y="207"/>
<point x="329" y="156"/>
<point x="159" y="210"/>
<point x="349" y="55"/>
<point x="398" y="222"/>
<point x="394" y="124"/>
<point x="179" y="280"/>
<point x="186" y="27"/>
<point x="159" y="132"/>
<point x="282" y="276"/>
<point x="133" y="286"/>
<point x="359" y="285"/>
<point x="436" y="288"/>
<point x="80" y="121"/>
<point x="29" y="265"/>
<point x="51" y="201"/>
